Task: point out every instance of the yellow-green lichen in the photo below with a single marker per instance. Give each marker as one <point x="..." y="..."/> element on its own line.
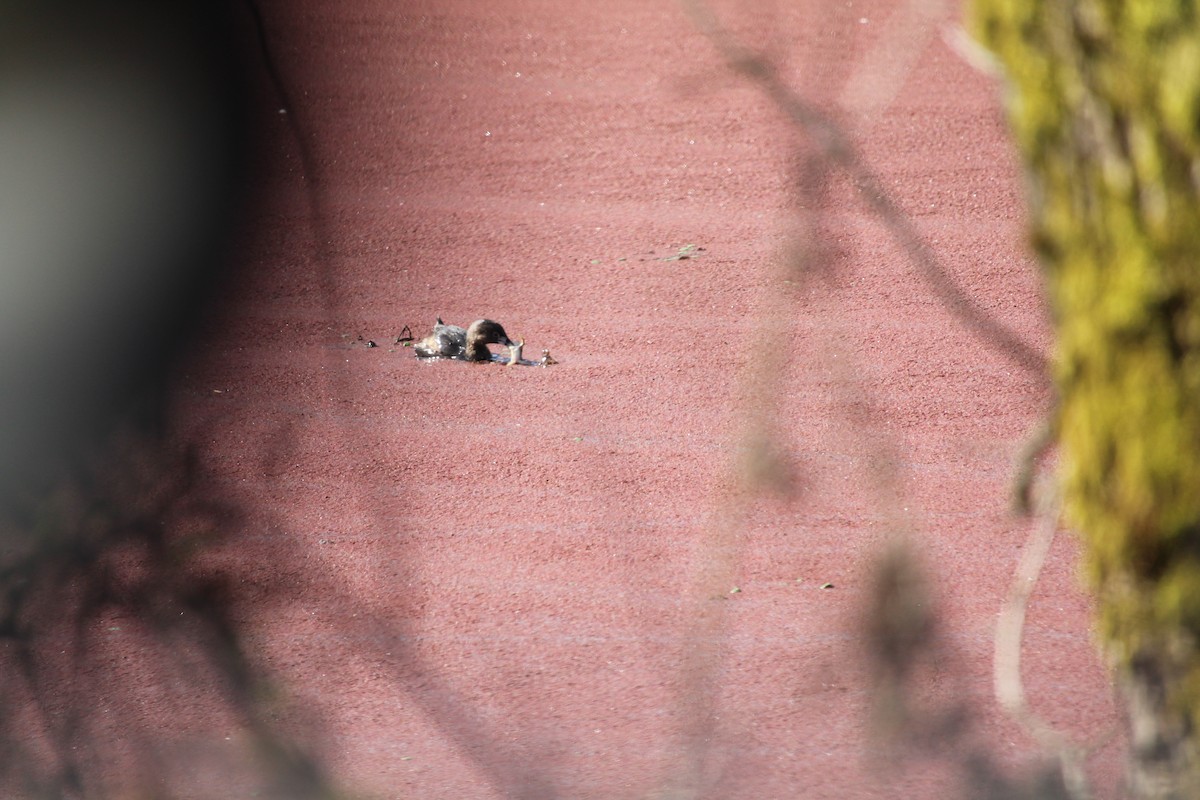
<point x="1105" y="108"/>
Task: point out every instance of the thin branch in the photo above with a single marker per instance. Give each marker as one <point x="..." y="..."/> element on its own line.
<point x="1006" y="665"/>
<point x="1006" y="673"/>
<point x="1040" y="440"/>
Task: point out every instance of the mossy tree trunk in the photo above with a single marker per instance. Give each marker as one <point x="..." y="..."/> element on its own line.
<point x="1105" y="107"/>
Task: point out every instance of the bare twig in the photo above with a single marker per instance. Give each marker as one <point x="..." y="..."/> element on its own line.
<point x="1041" y="439"/>
<point x="1010" y="692"/>
<point x="1006" y="665"/>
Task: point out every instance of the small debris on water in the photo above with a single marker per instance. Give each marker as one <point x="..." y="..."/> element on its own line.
<point x="514" y="352"/>
<point x="684" y="253"/>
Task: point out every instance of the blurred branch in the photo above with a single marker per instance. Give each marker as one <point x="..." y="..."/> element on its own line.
<point x="1010" y="690"/>
<point x="835" y="145"/>
<point x="1036" y="444"/>
<point x="108" y="561"/>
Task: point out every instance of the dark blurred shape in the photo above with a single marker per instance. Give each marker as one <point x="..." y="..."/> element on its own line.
<point x="902" y="639"/>
<point x="121" y="145"/>
<point x="123" y="138"/>
<point x="921" y="713"/>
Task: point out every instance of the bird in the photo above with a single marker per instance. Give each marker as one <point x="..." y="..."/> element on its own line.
<point x="466" y="344"/>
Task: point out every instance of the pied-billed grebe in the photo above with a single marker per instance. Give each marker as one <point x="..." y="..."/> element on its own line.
<point x="467" y="344"/>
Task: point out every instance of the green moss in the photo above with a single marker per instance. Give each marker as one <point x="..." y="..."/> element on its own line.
<point x="1105" y="107"/>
